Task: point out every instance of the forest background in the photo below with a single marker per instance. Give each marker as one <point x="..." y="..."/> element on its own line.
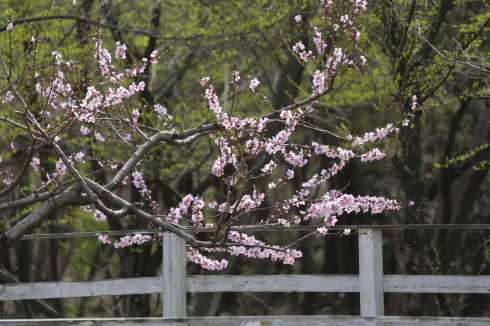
<point x="436" y="50"/>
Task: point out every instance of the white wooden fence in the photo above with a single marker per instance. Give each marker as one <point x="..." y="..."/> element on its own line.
<point x="370" y="283"/>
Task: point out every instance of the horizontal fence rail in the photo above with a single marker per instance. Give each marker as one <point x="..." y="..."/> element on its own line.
<point x="370" y="283"/>
<point x="240" y="283"/>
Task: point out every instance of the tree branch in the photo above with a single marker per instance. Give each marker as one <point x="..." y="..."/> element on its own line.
<point x="68" y="197"/>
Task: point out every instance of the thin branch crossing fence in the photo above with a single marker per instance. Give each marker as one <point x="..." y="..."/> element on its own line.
<point x="174" y="284"/>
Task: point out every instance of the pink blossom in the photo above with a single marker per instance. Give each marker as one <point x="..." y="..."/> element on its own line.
<point x="135" y="114"/>
<point x="8" y="181"/>
<point x="84" y="130"/>
<point x="140" y="239"/>
<point x="287" y="257"/>
<point x="296" y="159"/>
<point x="334" y="203"/>
<point x="319" y="79"/>
<point x="318" y="40"/>
<point x="371" y="136"/>
<point x="374" y="154"/>
<point x="236" y="76"/>
<point x="35" y="163"/>
<point x="331" y="220"/>
<point x="205" y="80"/>
<point x="405" y="122"/>
<point x="338" y="55"/>
<point x="253" y="84"/>
<point x="104" y="239"/>
<point x="413" y="106"/>
<point x="299" y="47"/>
<point x="322" y="230"/>
<point x="267" y="169"/>
<point x="61" y="167"/>
<point x="103" y="57"/>
<point x="79" y="157"/>
<point x="9" y="26"/>
<point x="205" y="262"/>
<point x="99" y="137"/>
<point x="362" y="4"/>
<point x="124" y="242"/>
<point x="283" y="222"/>
<point x="347" y="231"/>
<point x="138" y="180"/>
<point x="99" y="216"/>
<point x="8" y="97"/>
<point x="121" y="50"/>
<point x="305" y="55"/>
<point x="153" y="56"/>
<point x="87" y="208"/>
<point x="160" y="110"/>
<point x="218" y="166"/>
<point x="297" y="18"/>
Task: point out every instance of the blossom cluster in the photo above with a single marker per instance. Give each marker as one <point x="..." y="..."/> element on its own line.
<point x="213" y="265"/>
<point x="335" y="203"/>
<point x="59" y="94"/>
<point x="373" y="136"/>
<point x="128" y="240"/>
<point x="196" y="206"/>
<point x="254" y="249"/>
<point x="139" y="183"/>
<point x="162" y="113"/>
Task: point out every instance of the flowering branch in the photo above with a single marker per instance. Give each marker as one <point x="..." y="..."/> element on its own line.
<point x="104" y="111"/>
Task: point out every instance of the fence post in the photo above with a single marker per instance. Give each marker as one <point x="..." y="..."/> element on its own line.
<point x="371" y="274"/>
<point x="174" y="274"/>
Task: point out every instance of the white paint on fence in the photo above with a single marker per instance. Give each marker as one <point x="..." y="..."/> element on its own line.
<point x="174" y="274"/>
<point x="252" y="283"/>
<point x="371" y="275"/>
<point x="437" y="283"/>
<point x="47" y="290"/>
<point x="273" y="283"/>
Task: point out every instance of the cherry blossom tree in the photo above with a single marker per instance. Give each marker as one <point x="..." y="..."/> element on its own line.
<point x="252" y="163"/>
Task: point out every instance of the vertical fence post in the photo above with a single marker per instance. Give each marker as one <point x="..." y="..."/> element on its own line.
<point x="174" y="274"/>
<point x="371" y="274"/>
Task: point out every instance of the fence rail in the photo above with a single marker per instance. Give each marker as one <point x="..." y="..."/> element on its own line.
<point x="370" y="283"/>
<point x="255" y="283"/>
